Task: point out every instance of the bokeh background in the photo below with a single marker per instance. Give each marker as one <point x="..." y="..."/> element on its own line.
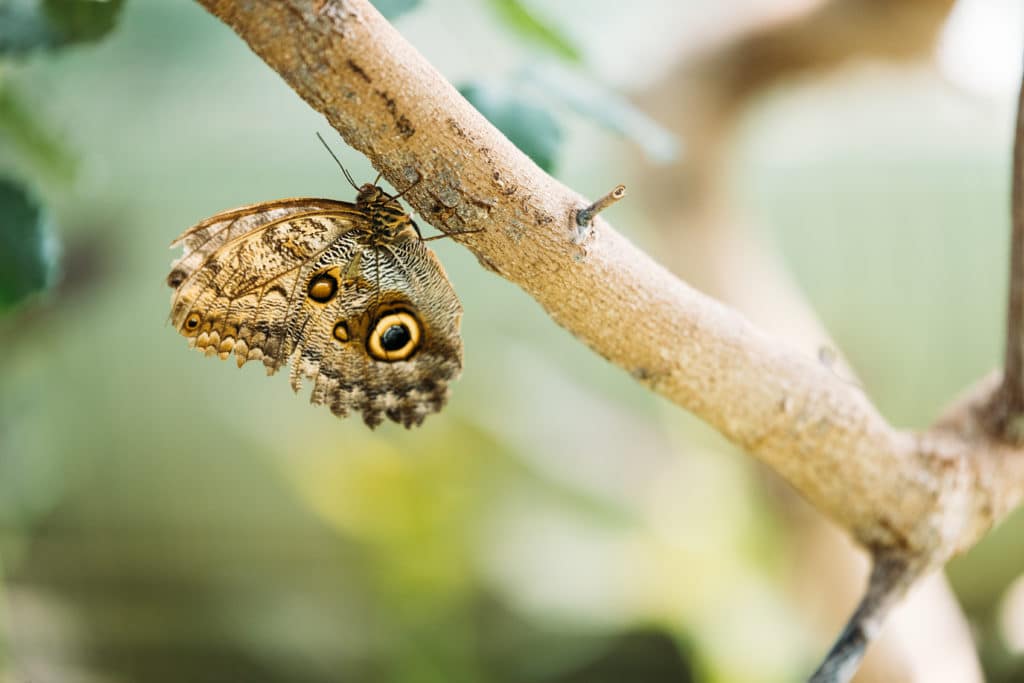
<point x="167" y="517"/>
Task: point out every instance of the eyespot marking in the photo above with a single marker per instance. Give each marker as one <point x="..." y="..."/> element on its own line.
<point x="395" y="336"/>
<point x="175" y="278"/>
<point x="322" y="288"/>
<point x="341" y="331"/>
<point x="191" y="325"/>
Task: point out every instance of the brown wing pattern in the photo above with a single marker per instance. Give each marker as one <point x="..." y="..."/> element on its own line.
<point x="241" y="270"/>
<point x="308" y="281"/>
<point x="346" y="375"/>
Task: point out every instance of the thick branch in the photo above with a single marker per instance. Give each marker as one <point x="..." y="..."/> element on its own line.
<point x="928" y="495"/>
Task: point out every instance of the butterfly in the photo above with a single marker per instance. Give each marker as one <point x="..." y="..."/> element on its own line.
<point x="347" y="293"/>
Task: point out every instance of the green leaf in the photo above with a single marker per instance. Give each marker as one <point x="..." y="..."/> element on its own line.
<point x="28" y="251"/>
<point x="392" y="9"/>
<point x="521" y="20"/>
<point x="530" y="127"/>
<point x="79" y="21"/>
<point x="604" y="107"/>
<point x="29" y="24"/>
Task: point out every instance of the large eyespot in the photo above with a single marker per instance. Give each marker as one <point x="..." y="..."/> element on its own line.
<point x="322" y="288"/>
<point x="395" y="336"/>
<point x="191" y="325"/>
<point x="341" y="331"/>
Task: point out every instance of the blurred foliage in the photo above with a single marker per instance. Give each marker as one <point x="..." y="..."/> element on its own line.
<point x="523" y="21"/>
<point x="23" y="134"/>
<point x="528" y="125"/>
<point x="27" y="251"/>
<point x="392" y="9"/>
<point x="522" y="104"/>
<point x="602" y="106"/>
<point x="28" y="247"/>
<point x="165" y="517"/>
<point x="521" y="107"/>
<point x="27" y="25"/>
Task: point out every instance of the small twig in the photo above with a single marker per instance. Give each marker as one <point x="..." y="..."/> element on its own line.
<point x="891" y="576"/>
<point x="1007" y="411"/>
<point x="585" y="217"/>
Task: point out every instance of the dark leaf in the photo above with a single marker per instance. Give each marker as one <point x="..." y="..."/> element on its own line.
<point x="27" y="249"/>
<point x="521" y="20"/>
<point x="646" y="654"/>
<point x="392" y="9"/>
<point x="29" y="24"/>
<point x="604" y="107"/>
<point x="530" y="127"/>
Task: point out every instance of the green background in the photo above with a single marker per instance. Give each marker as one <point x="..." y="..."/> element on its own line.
<point x="165" y="516"/>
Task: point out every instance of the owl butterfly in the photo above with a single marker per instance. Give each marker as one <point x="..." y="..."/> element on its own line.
<point x="349" y="294"/>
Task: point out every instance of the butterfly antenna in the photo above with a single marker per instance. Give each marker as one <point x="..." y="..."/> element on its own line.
<point x="348" y="176"/>
<point x="377" y="179"/>
<point x="402" y="193"/>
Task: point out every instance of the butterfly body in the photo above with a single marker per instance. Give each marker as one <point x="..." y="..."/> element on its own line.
<point x="347" y="293"/>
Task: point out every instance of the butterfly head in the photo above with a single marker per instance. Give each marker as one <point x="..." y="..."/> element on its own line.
<point x="385" y="212"/>
<point x="371" y="195"/>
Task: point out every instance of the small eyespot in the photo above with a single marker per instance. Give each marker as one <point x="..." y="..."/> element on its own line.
<point x="191" y="325"/>
<point x="176" y="277"/>
<point x="322" y="288"/>
<point x="341" y="331"/>
<point x="395" y="336"/>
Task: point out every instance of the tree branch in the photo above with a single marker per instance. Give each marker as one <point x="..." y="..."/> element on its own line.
<point x="923" y="496"/>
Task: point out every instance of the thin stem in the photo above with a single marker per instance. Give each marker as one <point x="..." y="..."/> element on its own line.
<point x="891" y="576"/>
<point x="1009" y="416"/>
<point x="586" y="216"/>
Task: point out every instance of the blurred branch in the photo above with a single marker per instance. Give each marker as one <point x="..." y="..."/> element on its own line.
<point x="1006" y="412"/>
<point x="920" y="496"/>
<point x="836" y="31"/>
<point x="705" y="97"/>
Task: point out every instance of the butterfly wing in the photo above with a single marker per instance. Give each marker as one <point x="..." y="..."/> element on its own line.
<point x="240" y="275"/>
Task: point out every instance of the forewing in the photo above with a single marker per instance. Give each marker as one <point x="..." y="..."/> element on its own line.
<point x="243" y="272"/>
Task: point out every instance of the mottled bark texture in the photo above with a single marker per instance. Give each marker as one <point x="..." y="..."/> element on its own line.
<point x="920" y="496"/>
